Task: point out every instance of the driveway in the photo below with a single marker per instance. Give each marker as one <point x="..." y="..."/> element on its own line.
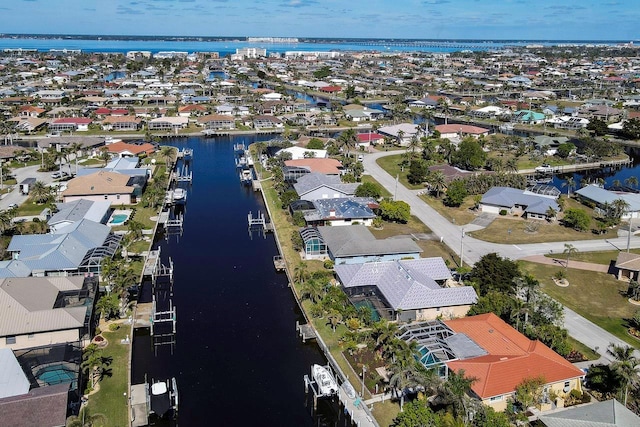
<point x="16" y="196"/>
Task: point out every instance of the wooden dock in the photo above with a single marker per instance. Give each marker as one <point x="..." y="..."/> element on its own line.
<point x="305" y="331"/>
<point x="151" y="263"/>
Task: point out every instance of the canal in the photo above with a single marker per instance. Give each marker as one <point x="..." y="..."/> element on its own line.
<point x="238" y="359"/>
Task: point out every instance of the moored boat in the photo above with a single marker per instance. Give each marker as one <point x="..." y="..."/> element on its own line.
<point x="327" y="385"/>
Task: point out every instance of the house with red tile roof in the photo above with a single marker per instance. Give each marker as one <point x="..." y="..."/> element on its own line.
<point x="123" y="149"/>
<point x="320" y="165"/>
<point x="73" y="124"/>
<point x="509" y="358"/>
<point x="461" y="131"/>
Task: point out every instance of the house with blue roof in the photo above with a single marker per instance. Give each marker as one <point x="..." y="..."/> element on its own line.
<point x="528" y="117"/>
<point x="342" y="211"/>
<point x="603" y="199"/>
<point x="406" y="290"/>
<point x="518" y="202"/>
<point x="315" y="185"/>
<point x="78" y="247"/>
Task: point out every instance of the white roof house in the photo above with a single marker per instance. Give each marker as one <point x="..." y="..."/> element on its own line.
<point x="298" y="153"/>
<point x="404" y="130"/>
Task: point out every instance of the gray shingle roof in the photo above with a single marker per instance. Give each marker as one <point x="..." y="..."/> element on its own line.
<point x="78" y="210"/>
<point x="315" y="180"/>
<point x="42" y="407"/>
<point x="407" y="284"/>
<point x="610" y="413"/>
<point x="509" y="197"/>
<point x="602" y="196"/>
<point x="358" y="240"/>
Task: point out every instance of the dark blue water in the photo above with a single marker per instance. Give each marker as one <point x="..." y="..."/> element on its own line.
<point x="238" y="360"/>
<point x="218" y="75"/>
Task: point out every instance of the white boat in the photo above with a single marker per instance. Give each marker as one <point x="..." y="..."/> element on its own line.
<point x="179" y="194"/>
<point x="246" y="176"/>
<point x="163" y="399"/>
<point x="327" y="385"/>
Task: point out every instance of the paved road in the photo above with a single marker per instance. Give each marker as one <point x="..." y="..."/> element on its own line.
<point x="16" y="196"/>
<point x="578" y="327"/>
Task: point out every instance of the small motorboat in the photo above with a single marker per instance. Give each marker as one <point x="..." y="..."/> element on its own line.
<point x="246" y="176"/>
<point x="179" y="195"/>
<point x="163" y="399"/>
<point x="327" y="385"/>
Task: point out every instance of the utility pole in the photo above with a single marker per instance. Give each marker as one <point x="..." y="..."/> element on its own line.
<point x="629" y="233"/>
<point x="461" y="246"/>
<point x="395" y="193"/>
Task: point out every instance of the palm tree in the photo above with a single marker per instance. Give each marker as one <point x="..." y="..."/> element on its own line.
<point x="454" y="392"/>
<point x="40" y="192"/>
<point x="551" y="213"/>
<point x="632" y="181"/>
<point x="167" y="152"/>
<point x="616" y="183"/>
<point x="414" y="143"/>
<point x="569" y="183"/>
<point x="334" y="318"/>
<point x="626" y="365"/>
<point x="512" y="165"/>
<point x="76" y="148"/>
<point x="438" y="182"/>
<point x="569" y="249"/>
<point x="347" y="140"/>
<point x="300" y="273"/>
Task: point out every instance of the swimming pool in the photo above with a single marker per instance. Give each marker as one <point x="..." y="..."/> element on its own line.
<point x="119" y="218"/>
<point x="56" y="374"/>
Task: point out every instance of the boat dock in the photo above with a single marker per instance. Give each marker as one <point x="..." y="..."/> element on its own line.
<point x="143" y="314"/>
<point x="139" y="399"/>
<point x="577" y="167"/>
<point x="305" y="331"/>
<point x="279" y="263"/>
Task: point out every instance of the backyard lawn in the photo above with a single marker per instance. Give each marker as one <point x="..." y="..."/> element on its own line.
<point x="598" y="297"/>
<point x="459" y="215"/>
<point x="391" y="164"/>
<point x="110" y="399"/>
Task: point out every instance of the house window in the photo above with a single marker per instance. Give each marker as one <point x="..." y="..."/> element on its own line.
<point x="10" y="340"/>
<point x="106" y="197"/>
<point x="118" y="196"/>
<point x="496" y="399"/>
<point x="31" y="336"/>
<point x="438" y="308"/>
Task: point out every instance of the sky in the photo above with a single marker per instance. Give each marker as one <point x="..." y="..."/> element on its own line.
<point x="421" y="19"/>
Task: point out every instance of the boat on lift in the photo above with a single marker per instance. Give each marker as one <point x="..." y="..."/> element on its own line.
<point x="327" y="385"/>
<point x="163" y="399"/>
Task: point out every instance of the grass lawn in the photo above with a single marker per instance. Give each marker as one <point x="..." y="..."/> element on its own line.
<point x="29" y="208"/>
<point x="384" y="192"/>
<point x="91" y="162"/>
<point x="109" y="400"/>
<point x="142" y="216"/>
<point x="460" y="215"/>
<point x="391" y="164"/>
<point x="498" y="232"/>
<point x="586" y="351"/>
<point x="413" y="226"/>
<point x="604" y="257"/>
<point x="598" y="297"/>
<point x="385" y="412"/>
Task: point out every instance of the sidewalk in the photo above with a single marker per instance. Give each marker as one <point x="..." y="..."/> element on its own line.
<point x="561" y="262"/>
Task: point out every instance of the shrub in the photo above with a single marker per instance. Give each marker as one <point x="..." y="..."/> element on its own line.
<point x="586" y="398"/>
<point x="114" y="327"/>
<point x="503" y="212"/>
<point x="328" y="264"/>
<point x="98" y="330"/>
<point x="560" y="274"/>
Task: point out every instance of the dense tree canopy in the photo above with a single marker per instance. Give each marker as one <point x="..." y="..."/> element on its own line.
<point x="469" y="155"/>
<point x="577" y="219"/>
<point x="368" y="189"/>
<point x="494" y="273"/>
<point x="395" y="211"/>
<point x="456" y="192"/>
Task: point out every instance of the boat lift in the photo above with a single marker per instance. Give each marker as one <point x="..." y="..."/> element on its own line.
<point x="163" y="326"/>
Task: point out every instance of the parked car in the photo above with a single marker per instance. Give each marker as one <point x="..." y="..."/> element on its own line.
<point x="13" y="206"/>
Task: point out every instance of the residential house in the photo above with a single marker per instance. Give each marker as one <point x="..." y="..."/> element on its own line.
<point x="325" y="166"/>
<point x="78" y="247"/>
<point x="528" y="117"/>
<point x="370" y="138"/>
<point x="192" y="110"/>
<point x="548" y="145"/>
<point x="110" y="186"/>
<point x="168" y="123"/>
<point x="124" y="149"/>
<point x="356" y="245"/>
<point x="628" y="265"/>
<point x="507" y="358"/>
<point x="315" y="186"/>
<point x="342" y="211"/>
<point x="70" y="124"/>
<point x="519" y="202"/>
<point x="401" y="133"/>
<point x="605" y="199"/>
<point x="39" y="311"/>
<point x="217" y="121"/>
<point x="72" y="212"/>
<point x="122" y="123"/>
<point x="264" y="122"/>
<point x="459" y="131"/>
<point x="406" y="290"/>
<point x="609" y="413"/>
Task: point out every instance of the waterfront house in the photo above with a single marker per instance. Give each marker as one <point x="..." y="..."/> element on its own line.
<point x="168" y="123"/>
<point x="528" y="117"/>
<point x="298" y="152"/>
<point x="406" y="290"/>
<point x="124" y="149"/>
<point x="315" y="165"/>
<point x="39" y="311"/>
<point x="217" y="122"/>
<point x="519" y="202"/>
<point x="70" y="124"/>
<point x="78" y="247"/>
<point x="367" y="139"/>
<point x="315" y="186"/>
<point x="356" y="244"/>
<point x="71" y="212"/>
<point x="342" y="211"/>
<point x="548" y="145"/>
<point x="267" y="122"/>
<point x="100" y="186"/>
<point x="507" y="359"/>
<point x="122" y="123"/>
<point x="604" y="199"/>
<point x="459" y="131"/>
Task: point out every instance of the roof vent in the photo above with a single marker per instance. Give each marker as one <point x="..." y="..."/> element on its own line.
<point x="504" y="358"/>
<point x="490" y="331"/>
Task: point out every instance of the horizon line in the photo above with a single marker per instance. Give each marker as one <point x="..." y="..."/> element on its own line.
<point x="492" y="40"/>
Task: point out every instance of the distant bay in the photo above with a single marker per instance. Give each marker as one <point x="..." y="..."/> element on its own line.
<point x="225" y="47"/>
